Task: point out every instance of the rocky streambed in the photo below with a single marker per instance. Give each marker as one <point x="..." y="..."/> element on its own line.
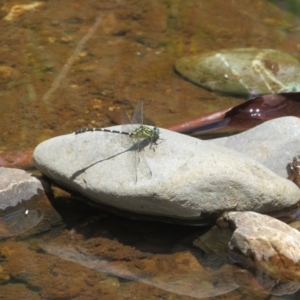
<point x="231" y="183"/>
<point x="193" y="180"/>
<point x="237" y="184"/>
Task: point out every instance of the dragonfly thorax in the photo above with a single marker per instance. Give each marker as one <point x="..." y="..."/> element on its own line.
<point x="144" y="132"/>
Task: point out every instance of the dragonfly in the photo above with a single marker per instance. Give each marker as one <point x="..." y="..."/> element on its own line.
<point x="139" y="136"/>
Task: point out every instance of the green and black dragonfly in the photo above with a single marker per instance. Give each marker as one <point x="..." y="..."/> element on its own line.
<point x="139" y="136"/>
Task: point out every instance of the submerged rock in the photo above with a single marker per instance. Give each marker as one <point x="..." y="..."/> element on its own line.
<point x="16" y="11"/>
<point x="243" y="71"/>
<point x="20" y="159"/>
<point x="191" y="179"/>
<point x="19" y="221"/>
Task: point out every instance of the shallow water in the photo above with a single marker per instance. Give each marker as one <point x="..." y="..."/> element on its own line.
<point x="72" y="64"/>
<point x="19" y="221"/>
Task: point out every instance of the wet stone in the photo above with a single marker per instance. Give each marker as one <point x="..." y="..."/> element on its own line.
<point x="191" y="179"/>
<point x="242" y="71"/>
<point x="265" y="243"/>
<point x="215" y="244"/>
<point x="17" y="186"/>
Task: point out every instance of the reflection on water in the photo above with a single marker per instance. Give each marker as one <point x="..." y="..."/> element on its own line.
<point x="85" y="71"/>
<point x="75" y="68"/>
<point x="94" y="253"/>
<point x="19" y="222"/>
<point x="194" y="282"/>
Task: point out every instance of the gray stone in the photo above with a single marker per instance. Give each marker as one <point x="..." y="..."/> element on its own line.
<point x="242" y="71"/>
<point x="190" y="178"/>
<point x="17" y="186"/>
<point x="273" y="143"/>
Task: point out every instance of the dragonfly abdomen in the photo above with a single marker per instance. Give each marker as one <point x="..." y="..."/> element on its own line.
<point x="82" y="130"/>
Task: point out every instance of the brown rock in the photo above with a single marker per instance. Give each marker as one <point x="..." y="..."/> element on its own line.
<point x="20" y="159"/>
<point x="266" y="244"/>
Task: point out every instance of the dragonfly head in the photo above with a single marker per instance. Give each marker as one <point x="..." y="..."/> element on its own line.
<point x="156" y="131"/>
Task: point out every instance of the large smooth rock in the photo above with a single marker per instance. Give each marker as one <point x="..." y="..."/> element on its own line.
<point x="190" y="178"/>
<point x="242" y="71"/>
<point x="270" y="245"/>
<point x="273" y="143"/>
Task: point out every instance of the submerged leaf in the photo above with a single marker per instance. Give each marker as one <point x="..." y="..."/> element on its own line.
<point x="244" y="116"/>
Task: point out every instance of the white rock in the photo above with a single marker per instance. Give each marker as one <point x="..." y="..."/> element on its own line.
<point x="190" y="178"/>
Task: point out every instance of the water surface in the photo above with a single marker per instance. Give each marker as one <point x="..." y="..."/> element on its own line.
<point x="72" y="64"/>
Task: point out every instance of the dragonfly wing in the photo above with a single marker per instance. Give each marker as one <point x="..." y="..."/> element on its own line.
<point x="126" y="127"/>
<point x="143" y="167"/>
<point x="137" y="166"/>
<point x="136" y="162"/>
<point x="132" y="164"/>
<point x="137" y="117"/>
<point x="125" y="118"/>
